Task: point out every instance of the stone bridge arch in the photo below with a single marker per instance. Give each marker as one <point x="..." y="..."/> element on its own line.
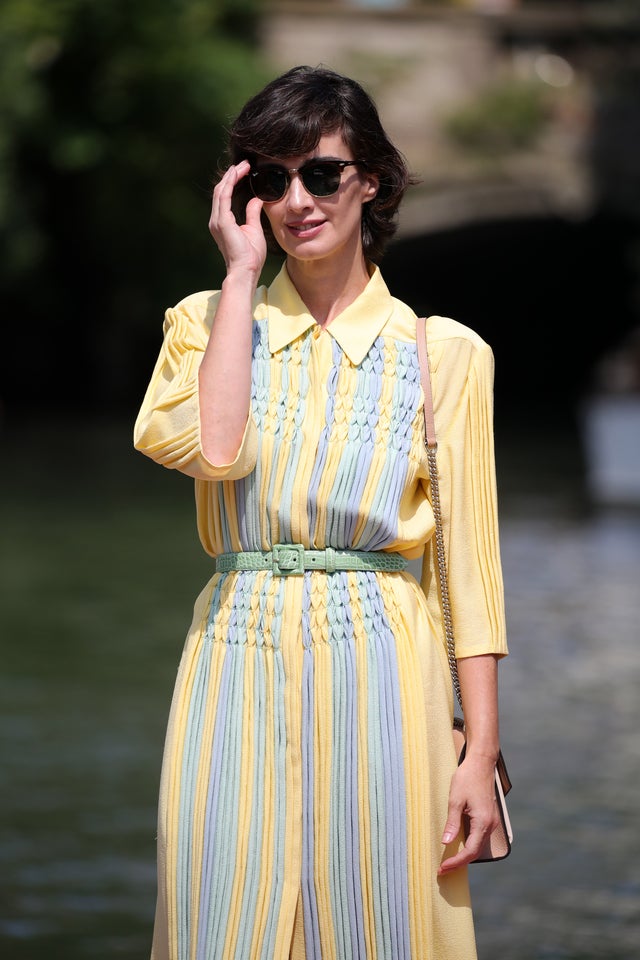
<point x="531" y="237"/>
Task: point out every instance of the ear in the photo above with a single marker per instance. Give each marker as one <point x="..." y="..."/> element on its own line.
<point x="371" y="186"/>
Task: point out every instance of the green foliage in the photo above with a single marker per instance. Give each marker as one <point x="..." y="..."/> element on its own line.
<point x="505" y="117"/>
<point x="111" y="130"/>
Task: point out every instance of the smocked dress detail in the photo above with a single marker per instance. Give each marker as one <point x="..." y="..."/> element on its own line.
<point x="308" y="751"/>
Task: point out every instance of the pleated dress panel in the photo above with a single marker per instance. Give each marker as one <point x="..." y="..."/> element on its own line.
<point x="308" y="751"/>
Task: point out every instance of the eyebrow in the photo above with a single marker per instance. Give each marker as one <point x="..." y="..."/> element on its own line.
<point x="280" y="163"/>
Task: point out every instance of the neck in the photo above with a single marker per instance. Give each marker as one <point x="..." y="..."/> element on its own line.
<point x="327" y="288"/>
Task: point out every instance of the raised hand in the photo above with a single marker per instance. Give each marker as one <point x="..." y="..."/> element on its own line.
<point x="243" y="247"/>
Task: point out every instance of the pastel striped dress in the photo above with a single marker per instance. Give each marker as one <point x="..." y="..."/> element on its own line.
<point x="308" y="752"/>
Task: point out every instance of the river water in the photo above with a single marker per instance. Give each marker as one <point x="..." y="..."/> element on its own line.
<point x="100" y="568"/>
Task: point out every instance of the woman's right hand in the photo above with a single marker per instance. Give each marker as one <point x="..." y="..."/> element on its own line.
<point x="243" y="247"/>
<point x="224" y="378"/>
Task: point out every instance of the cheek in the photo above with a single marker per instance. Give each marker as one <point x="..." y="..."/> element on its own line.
<point x="270" y="214"/>
<point x="272" y="219"/>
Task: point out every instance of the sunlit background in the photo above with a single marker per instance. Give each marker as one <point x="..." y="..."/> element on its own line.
<point x="522" y="120"/>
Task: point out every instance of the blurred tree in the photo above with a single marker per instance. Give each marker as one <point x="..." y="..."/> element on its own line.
<point x="507" y="116"/>
<point x="111" y="124"/>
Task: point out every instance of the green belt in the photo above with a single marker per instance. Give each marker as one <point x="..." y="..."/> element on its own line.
<point x="291" y="559"/>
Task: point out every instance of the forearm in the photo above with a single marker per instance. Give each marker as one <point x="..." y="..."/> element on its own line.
<point x="479" y="688"/>
<point x="225" y="371"/>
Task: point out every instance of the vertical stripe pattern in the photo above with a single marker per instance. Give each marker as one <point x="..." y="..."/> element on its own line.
<point x="298" y="761"/>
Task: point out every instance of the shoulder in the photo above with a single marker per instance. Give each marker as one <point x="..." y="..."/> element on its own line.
<point x="198" y="304"/>
<point x="458" y="355"/>
<point x="460" y="360"/>
<point x="444" y="330"/>
<point x="198" y="309"/>
<point x="441" y="331"/>
<point x="455" y="348"/>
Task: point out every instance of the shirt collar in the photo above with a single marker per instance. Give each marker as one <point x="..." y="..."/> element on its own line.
<point x="355" y="329"/>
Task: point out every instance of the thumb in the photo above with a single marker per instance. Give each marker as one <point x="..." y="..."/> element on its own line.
<point x="253" y="211"/>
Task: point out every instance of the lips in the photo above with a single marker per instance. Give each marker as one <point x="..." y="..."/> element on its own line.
<point x="308" y="228"/>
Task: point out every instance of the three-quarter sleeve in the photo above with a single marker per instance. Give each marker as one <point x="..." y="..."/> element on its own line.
<point x="463" y="376"/>
<point x="167" y="428"/>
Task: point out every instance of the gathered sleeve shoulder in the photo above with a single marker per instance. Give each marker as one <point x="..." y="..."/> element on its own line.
<point x="167" y="428"/>
<point x="462" y="370"/>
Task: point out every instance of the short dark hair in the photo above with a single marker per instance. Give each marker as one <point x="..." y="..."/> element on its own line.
<point x="292" y="113"/>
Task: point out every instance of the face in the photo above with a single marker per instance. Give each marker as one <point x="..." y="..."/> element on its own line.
<point x="313" y="228"/>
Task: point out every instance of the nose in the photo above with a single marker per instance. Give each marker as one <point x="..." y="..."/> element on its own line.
<point x="297" y="195"/>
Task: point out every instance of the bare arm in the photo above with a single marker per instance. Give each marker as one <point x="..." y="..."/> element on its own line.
<point x="225" y="372"/>
<point x="472" y="786"/>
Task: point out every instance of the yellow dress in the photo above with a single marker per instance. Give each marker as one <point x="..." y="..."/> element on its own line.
<point x="308" y="752"/>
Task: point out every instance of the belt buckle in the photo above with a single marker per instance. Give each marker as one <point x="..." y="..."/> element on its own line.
<point x="287" y="559"/>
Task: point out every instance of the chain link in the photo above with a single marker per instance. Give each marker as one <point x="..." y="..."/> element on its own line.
<point x="442" y="569"/>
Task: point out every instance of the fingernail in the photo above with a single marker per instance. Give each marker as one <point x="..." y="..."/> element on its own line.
<point x="447" y="837"/>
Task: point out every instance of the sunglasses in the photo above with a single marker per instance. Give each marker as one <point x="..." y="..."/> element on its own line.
<point x="321" y="178"/>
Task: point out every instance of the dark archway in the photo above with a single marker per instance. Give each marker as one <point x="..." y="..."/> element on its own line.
<point x="551" y="297"/>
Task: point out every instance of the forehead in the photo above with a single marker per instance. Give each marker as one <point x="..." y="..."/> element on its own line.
<point x="329" y="145"/>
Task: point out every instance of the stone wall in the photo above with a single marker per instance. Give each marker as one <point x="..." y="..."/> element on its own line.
<point x="425" y="64"/>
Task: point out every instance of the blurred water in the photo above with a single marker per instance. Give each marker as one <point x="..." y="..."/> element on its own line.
<point x="571" y="888"/>
<point x="100" y="567"/>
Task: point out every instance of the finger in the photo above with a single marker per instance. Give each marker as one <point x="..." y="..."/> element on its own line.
<point x="221" y="200"/>
<point x="223" y="191"/>
<point x="253" y="211"/>
<point x="453" y="824"/>
<point x="465" y="855"/>
<point x="225" y="184"/>
<point x="232" y="176"/>
<point x="243" y="168"/>
<point x="470" y="850"/>
<point x="460" y="859"/>
<point x="456" y="855"/>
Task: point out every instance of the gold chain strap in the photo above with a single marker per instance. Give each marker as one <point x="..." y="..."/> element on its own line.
<point x="432" y="447"/>
<point x="442" y="572"/>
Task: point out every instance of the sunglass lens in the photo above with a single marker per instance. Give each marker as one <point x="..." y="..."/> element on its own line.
<point x="269" y="183"/>
<point x="321" y="179"/>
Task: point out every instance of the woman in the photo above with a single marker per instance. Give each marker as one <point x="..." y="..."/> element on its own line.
<point x="310" y="799"/>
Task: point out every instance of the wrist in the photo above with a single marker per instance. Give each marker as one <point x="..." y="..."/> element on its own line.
<point x="482" y="753"/>
<point x="241" y="279"/>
